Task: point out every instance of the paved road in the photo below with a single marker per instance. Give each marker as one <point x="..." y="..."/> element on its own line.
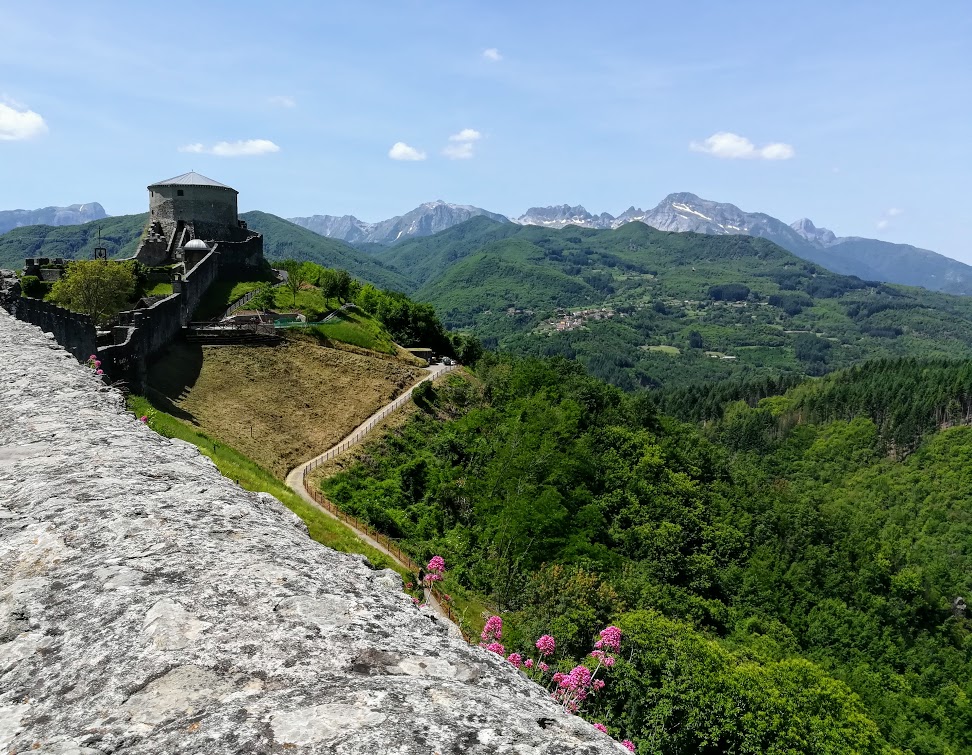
<point x="295" y="478"/>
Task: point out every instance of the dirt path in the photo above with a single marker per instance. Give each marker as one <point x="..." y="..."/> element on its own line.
<point x="297" y="476"/>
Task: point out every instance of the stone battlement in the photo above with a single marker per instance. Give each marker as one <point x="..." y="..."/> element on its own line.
<point x="150" y="605"/>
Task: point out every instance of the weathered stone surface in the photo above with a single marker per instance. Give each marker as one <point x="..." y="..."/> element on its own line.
<point x="149" y="605"/>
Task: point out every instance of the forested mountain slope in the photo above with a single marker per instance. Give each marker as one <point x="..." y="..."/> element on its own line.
<point x="641" y="307"/>
<point x="784" y="585"/>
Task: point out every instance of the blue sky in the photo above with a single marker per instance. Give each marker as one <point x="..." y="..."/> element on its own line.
<point x="855" y="114"/>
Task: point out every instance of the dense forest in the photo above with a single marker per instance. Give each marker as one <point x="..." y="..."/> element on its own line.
<point x="788" y="578"/>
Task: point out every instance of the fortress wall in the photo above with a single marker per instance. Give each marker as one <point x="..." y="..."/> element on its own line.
<point x="196" y="282"/>
<point x="237" y="255"/>
<point x="149" y="605"/>
<point x="73" y="331"/>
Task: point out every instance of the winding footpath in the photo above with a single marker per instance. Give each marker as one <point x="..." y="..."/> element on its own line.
<point x="297" y="476"/>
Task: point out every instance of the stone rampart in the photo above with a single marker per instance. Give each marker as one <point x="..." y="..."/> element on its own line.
<point x="73" y="331"/>
<point x="196" y="282"/>
<point x="149" y="605"/>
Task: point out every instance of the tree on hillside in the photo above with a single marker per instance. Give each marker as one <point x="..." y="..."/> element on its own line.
<point x="328" y="281"/>
<point x="97" y="288"/>
<point x="297" y="275"/>
<point x="263" y="299"/>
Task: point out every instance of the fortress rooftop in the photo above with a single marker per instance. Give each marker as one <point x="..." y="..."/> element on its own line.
<point x="191" y="179"/>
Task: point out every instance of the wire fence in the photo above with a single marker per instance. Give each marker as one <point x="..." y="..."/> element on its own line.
<point x="394" y="549"/>
<point x="390" y="544"/>
<point x="356" y="437"/>
<point x="239" y="303"/>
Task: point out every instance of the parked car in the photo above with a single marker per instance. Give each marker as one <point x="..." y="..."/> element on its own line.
<point x="447" y="361"/>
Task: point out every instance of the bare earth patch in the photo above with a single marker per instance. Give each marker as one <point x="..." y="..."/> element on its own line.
<point x="278" y="405"/>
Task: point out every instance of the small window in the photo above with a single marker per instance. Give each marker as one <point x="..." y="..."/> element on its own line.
<point x="178" y="192"/>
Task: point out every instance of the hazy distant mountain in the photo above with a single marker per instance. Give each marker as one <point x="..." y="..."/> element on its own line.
<point x="424" y="220"/>
<point x="564" y="215"/>
<point x="72" y="215"/>
<point x="869" y="259"/>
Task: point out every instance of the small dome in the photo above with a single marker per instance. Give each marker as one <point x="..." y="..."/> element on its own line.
<point x="196" y="245"/>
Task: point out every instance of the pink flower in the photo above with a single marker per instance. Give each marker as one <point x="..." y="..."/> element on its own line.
<point x="546" y="645"/>
<point x="598" y="685"/>
<point x="559" y="677"/>
<point x="629" y="744"/>
<point x="99" y="372"/>
<point x="495" y="647"/>
<point x="597" y="654"/>
<point x="415" y="601"/>
<point x="493" y="629"/>
<point x="92" y="357"/>
<point x="436" y="564"/>
<point x="610" y="639"/>
<point x="543" y="667"/>
<point x="143" y="418"/>
<point x="609" y="661"/>
<point x="408" y="585"/>
<point x="601" y="727"/>
<point x="528" y="663"/>
<point x="97" y="363"/>
<point x="578" y="678"/>
<point x="516" y="659"/>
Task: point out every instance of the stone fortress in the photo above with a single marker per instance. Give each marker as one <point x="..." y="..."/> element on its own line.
<point x="190" y="215"/>
<point x="194" y="237"/>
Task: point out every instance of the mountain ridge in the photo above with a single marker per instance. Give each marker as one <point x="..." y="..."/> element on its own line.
<point x="425" y="220"/>
<point x="682" y="212"/>
<point x="74" y="214"/>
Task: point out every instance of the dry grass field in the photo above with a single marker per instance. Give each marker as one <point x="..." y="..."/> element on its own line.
<point x="279" y="405"/>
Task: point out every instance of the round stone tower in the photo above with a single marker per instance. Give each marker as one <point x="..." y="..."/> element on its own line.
<point x="195" y="198"/>
<point x="192" y="207"/>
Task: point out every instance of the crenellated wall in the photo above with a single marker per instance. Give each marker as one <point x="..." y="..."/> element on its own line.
<point x="73" y="331"/>
<point x="149" y="605"/>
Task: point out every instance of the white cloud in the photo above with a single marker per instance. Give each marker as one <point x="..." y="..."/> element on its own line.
<point x="731" y="146"/>
<point x="282" y="100"/>
<point x="402" y="151"/>
<point x="17" y="124"/>
<point x="492" y="54"/>
<point x="885" y="221"/>
<point x="461" y="147"/>
<point x="466" y="135"/>
<point x="242" y="148"/>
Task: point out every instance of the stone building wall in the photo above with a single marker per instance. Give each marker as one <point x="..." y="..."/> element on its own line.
<point x="149" y="605"/>
<point x="206" y="206"/>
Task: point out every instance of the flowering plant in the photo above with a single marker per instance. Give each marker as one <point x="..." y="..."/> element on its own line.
<point x="570" y="689"/>
<point x="435" y="570"/>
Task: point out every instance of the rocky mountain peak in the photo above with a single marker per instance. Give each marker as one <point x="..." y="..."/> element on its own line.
<point x="805" y="228"/>
<point x="424" y="220"/>
<point x="74" y="214"/>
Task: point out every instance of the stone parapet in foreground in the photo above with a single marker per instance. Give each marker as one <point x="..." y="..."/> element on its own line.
<point x="149" y="605"/>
